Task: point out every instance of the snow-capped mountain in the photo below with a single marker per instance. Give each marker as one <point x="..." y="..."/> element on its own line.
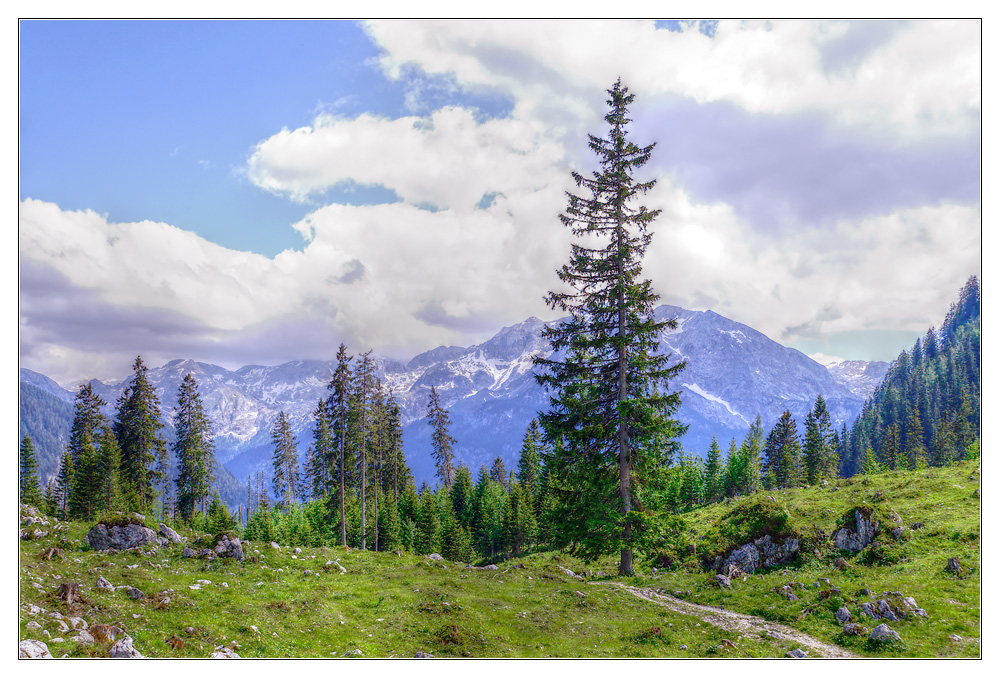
<point x="732" y="374"/>
<point x="859" y="376"/>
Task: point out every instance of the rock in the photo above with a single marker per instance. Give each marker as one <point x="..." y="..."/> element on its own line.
<point x="223" y="652"/>
<point x="105" y="634"/>
<point x="423" y="655"/>
<point x="857" y="539"/>
<point x="121" y="537"/>
<point x="134" y="593"/>
<point x="727" y="643"/>
<point x="123" y="649"/>
<point x="33" y="626"/>
<point x="797" y="653"/>
<point x="33" y="649"/>
<point x="843" y="615"/>
<point x="865" y="592"/>
<point x="435" y="557"/>
<point x="883" y="634"/>
<point x="953" y="565"/>
<point x="169" y="534"/>
<point x="63" y="626"/>
<point x="723" y="581"/>
<point x="683" y="647"/>
<point x="353" y="653"/>
<point x="103" y="583"/>
<point x="228" y="546"/>
<point x="732" y="571"/>
<point x="868" y="610"/>
<point x="911" y="605"/>
<point x="34" y="609"/>
<point x="297" y="551"/>
<point x="83" y="637"/>
<point x="917" y="526"/>
<point x="275" y="546"/>
<point x="746" y="559"/>
<point x="189" y="553"/>
<point x="771" y="633"/>
<point x="791" y="596"/>
<point x="855" y="629"/>
<point x="898" y="532"/>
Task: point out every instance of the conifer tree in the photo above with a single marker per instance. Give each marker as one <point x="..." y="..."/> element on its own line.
<point x="498" y="472"/>
<point x="64" y="484"/>
<point x="818" y="451"/>
<point x="108" y="464"/>
<point x="782" y="452"/>
<point x="339" y="406"/>
<point x="428" y="523"/>
<point x="28" y="489"/>
<point x="364" y="390"/>
<point x="608" y="403"/>
<point x="285" y="461"/>
<point x="529" y="465"/>
<point x="194" y="448"/>
<point x="890" y="447"/>
<point x="396" y="473"/>
<point x="519" y="526"/>
<point x="463" y="497"/>
<point x="136" y="426"/>
<point x="441" y="441"/>
<point x="914" y="450"/>
<point x="88" y="420"/>
<point x="713" y="472"/>
<point x="322" y="460"/>
<point x="50" y="499"/>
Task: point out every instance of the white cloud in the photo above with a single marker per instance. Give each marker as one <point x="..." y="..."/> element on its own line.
<point x="922" y="79"/>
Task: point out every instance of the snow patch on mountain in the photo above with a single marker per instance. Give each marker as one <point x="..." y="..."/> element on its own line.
<point x="715" y="399"/>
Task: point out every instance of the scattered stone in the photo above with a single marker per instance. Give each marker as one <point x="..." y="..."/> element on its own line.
<point x="954" y="565"/>
<point x="124" y="649"/>
<point x="103" y="583"/>
<point x="134" y="593"/>
<point x="957" y="638"/>
<point x="435" y="557"/>
<point x="34" y="609"/>
<point x="170" y="534"/>
<point x="76" y="622"/>
<point x="176" y="642"/>
<point x="33" y="626"/>
<point x="843" y="615"/>
<point x="297" y="551"/>
<point x="855" y="629"/>
<point x="723" y="581"/>
<point x="898" y="532"/>
<point x="683" y="647"/>
<point x="423" y="655"/>
<point x="868" y="610"/>
<point x="105" y="634"/>
<point x="63" y="626"/>
<point x="774" y="635"/>
<point x="865" y="592"/>
<point x="841" y="564"/>
<point x="353" y="653"/>
<point x="275" y="546"/>
<point x="912" y="606"/>
<point x="797" y="653"/>
<point x="33" y="649"/>
<point x="222" y="652"/>
<point x="791" y="596"/>
<point x="727" y="643"/>
<point x="83" y="637"/>
<point x="883" y="634"/>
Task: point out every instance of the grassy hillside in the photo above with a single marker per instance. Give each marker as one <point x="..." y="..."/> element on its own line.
<point x="279" y="604"/>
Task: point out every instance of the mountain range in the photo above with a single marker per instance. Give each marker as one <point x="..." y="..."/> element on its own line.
<point x="732" y="374"/>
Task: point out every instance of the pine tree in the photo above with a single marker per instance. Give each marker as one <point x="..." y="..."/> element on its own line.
<point x="498" y="472"/>
<point x="108" y="464"/>
<point x="914" y="449"/>
<point x="463" y="497"/>
<point x="194" y="448"/>
<point x="607" y="405"/>
<point x="890" y="447"/>
<point x="428" y="523"/>
<point x="285" y="461"/>
<point x="364" y="390"/>
<point x="782" y="452"/>
<point x="818" y="451"/>
<point x="322" y="460"/>
<point x="339" y="406"/>
<point x="529" y="465"/>
<point x="519" y="526"/>
<point x="64" y="484"/>
<point x="28" y="489"/>
<point x="84" y="491"/>
<point x="750" y="464"/>
<point x="441" y="440"/>
<point x="713" y="472"/>
<point x="50" y="499"/>
<point x="396" y="473"/>
<point x="143" y="452"/>
<point x="870" y="464"/>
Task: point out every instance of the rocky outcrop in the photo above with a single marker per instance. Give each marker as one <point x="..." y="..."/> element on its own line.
<point x="861" y="536"/>
<point x="170" y="534"/>
<point x="228" y="546"/>
<point x="123" y="649"/>
<point x="883" y="634"/>
<point x="125" y="533"/>
<point x="762" y="552"/>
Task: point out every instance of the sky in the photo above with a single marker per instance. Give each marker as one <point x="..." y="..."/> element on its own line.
<point x="254" y="192"/>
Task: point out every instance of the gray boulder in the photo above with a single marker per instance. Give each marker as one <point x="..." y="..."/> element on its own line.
<point x="885" y="611"/>
<point x="855" y="629"/>
<point x="120" y="537"/>
<point x="843" y="615"/>
<point x="883" y="634"/>
<point x="33" y="649"/>
<point x="124" y="649"/>
<point x="858" y="538"/>
<point x="134" y="593"/>
<point x="170" y="534"/>
<point x="723" y="581"/>
<point x="797" y="653"/>
<point x="103" y="583"/>
<point x="868" y="610"/>
<point x="762" y="552"/>
<point x="189" y="553"/>
<point x="435" y="556"/>
<point x="229" y="547"/>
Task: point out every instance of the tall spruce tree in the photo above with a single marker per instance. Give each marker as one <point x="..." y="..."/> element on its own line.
<point x="363" y="405"/>
<point x="609" y="403"/>
<point x="136" y="426"/>
<point x="339" y="404"/>
<point x="713" y="472"/>
<point x="441" y="441"/>
<point x="529" y="465"/>
<point x="27" y="479"/>
<point x="782" y="452"/>
<point x="818" y="450"/>
<point x="88" y="421"/>
<point x="322" y="460"/>
<point x="194" y="448"/>
<point x="285" y="462"/>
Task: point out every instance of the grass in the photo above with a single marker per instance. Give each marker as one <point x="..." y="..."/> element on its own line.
<point x="394" y="606"/>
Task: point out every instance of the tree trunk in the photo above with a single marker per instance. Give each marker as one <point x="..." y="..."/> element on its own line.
<point x="624" y="466"/>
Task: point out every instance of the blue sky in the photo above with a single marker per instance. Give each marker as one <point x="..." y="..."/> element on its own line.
<point x="255" y="192"/>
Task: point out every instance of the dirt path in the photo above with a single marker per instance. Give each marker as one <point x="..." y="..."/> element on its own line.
<point x="741" y="623"/>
